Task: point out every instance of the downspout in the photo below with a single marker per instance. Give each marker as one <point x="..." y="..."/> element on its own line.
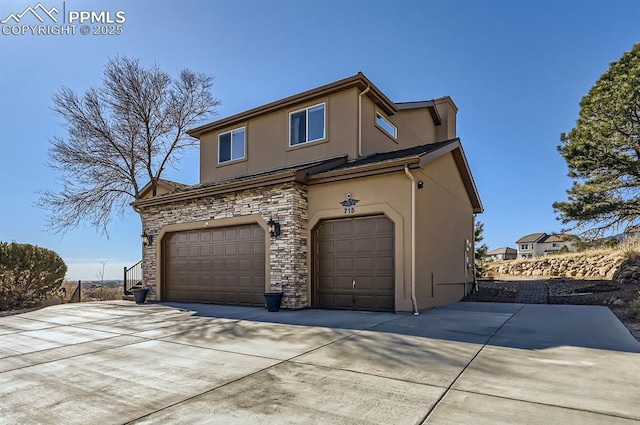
<point x="413" y="240"/>
<point x="360" y="119"/>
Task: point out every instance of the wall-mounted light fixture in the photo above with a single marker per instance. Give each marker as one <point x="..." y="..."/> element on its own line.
<point x="274" y="228"/>
<point x="147" y="240"/>
<point x="420" y="184"/>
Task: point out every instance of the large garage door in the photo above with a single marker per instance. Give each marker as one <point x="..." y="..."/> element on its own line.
<point x="354" y="264"/>
<point x="219" y="265"/>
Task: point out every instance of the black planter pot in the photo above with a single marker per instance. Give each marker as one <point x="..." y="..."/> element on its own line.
<point x="140" y="295"/>
<point x="273" y="300"/>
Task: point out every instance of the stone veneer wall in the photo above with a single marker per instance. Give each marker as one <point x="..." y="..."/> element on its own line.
<point x="285" y="203"/>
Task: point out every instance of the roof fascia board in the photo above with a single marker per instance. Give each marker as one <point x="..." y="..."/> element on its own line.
<point x="215" y="190"/>
<point x="401" y="162"/>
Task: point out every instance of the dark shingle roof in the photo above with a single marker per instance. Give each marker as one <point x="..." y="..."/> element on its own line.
<point x="375" y="158"/>
<point x="534" y="237"/>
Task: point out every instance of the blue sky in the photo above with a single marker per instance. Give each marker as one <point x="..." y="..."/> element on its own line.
<point x="516" y="69"/>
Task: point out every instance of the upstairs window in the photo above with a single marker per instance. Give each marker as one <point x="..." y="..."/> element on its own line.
<point x="386" y="126"/>
<point x="524" y="246"/>
<point x="307" y="125"/>
<point x="231" y="145"/>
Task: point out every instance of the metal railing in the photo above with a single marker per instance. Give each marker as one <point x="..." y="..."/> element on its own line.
<point x="76" y="297"/>
<point x="132" y="277"/>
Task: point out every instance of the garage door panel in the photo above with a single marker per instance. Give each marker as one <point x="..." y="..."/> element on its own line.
<point x="258" y="248"/>
<point x="343" y="282"/>
<point x="384" y="225"/>
<point x="385" y="245"/>
<point x="343" y="246"/>
<point x="245" y="233"/>
<point x="245" y="249"/>
<point x="364" y="246"/>
<point x="344" y="301"/>
<point x="360" y="249"/>
<point x="364" y="264"/>
<point x="326" y="248"/>
<point x="342" y="228"/>
<point x="365" y="227"/>
<point x="231" y="235"/>
<point x="342" y="265"/>
<point x="221" y="265"/>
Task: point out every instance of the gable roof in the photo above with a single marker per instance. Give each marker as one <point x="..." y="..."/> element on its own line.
<point x="414" y="157"/>
<point x="532" y="238"/>
<point x="544" y="237"/>
<point x="502" y="250"/>
<point x="557" y="238"/>
<point x="331" y="169"/>
<point x="167" y="184"/>
<point x="431" y="104"/>
<point x="359" y="81"/>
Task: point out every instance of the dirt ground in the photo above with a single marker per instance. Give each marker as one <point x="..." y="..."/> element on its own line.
<point x="622" y="300"/>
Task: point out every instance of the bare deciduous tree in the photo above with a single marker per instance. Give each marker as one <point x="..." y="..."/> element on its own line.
<point x="121" y="136"/>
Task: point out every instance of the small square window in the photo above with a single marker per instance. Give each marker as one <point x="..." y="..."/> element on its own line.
<point x="386" y="126"/>
<point x="231" y="145"/>
<point x="307" y="125"/>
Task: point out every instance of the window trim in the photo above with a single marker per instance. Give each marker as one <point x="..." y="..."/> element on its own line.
<point x="384" y="130"/>
<point x="306" y="111"/>
<point x="230" y="132"/>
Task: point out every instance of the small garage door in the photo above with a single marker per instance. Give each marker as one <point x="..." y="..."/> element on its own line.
<point x="219" y="265"/>
<point x="354" y="264"/>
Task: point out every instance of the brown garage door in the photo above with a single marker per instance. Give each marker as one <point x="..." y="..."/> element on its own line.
<point x="219" y="265"/>
<point x="354" y="264"/>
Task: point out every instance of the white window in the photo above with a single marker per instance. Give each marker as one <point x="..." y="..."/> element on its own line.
<point x="524" y="246"/>
<point x="231" y="145"/>
<point x="307" y="125"/>
<point x="386" y="126"/>
<point x="555" y="245"/>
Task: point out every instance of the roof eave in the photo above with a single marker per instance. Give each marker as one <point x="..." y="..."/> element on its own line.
<point x="430" y="104"/>
<point x="455" y="147"/>
<point x="283" y="177"/>
<point x="299" y="174"/>
<point x="364" y="170"/>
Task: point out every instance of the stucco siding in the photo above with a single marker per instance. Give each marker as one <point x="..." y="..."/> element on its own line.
<point x="444" y="224"/>
<point x="267" y="140"/>
<point x="388" y="194"/>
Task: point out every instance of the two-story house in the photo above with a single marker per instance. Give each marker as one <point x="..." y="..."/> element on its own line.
<point x="337" y="196"/>
<point x="501" y="254"/>
<point x="541" y="244"/>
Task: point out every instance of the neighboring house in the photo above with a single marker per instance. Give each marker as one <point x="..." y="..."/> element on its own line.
<point x="541" y="244"/>
<point x="501" y="254"/>
<point x="337" y="196"/>
<point x="631" y="232"/>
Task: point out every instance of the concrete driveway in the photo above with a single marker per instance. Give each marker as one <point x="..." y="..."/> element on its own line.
<point x="467" y="363"/>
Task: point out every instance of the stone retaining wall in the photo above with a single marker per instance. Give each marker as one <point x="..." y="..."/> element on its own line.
<point x="589" y="266"/>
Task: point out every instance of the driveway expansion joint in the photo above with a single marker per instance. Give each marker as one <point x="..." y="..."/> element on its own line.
<point x="450" y="387"/>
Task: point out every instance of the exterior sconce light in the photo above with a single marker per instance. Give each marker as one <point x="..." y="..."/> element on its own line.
<point x="147" y="240"/>
<point x="420" y="184"/>
<point x="274" y="228"/>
